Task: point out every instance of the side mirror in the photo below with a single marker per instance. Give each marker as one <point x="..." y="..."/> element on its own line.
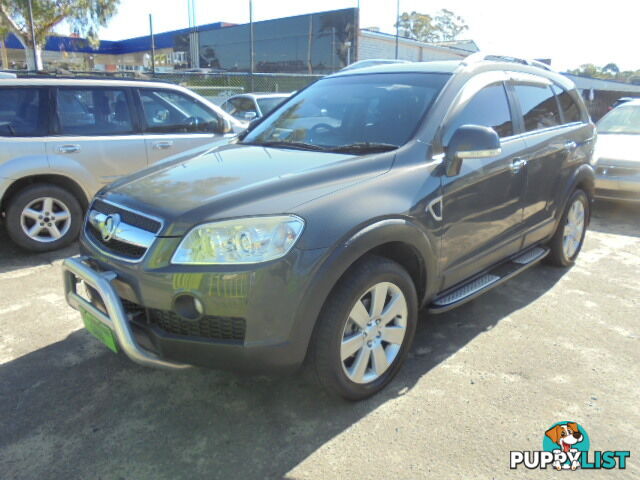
<point x="250" y="115"/>
<point x="470" y="141"/>
<point x="224" y="126"/>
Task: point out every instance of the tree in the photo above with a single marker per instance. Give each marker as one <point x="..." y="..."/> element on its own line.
<point x="443" y="26"/>
<point x="4" y="62"/>
<point x="84" y="17"/>
<point x="449" y="25"/>
<point x="611" y="68"/>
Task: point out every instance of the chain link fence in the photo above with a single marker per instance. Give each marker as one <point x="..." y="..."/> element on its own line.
<point x="219" y="86"/>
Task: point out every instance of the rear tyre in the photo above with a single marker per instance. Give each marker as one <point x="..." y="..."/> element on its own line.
<point x="43" y="217"/>
<point x="567" y="242"/>
<point x="365" y="330"/>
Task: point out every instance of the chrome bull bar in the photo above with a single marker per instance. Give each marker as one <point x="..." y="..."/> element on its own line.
<point x="75" y="269"/>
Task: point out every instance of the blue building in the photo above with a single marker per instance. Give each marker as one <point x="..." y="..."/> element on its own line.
<point x="317" y="43"/>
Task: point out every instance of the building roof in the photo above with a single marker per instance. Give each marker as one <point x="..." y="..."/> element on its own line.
<point x="60" y="43"/>
<point x="588" y="83"/>
<point x="455" y="48"/>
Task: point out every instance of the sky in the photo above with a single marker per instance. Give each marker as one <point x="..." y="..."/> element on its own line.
<point x="570" y="32"/>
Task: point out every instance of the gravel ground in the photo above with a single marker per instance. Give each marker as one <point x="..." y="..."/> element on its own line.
<point x="482" y="380"/>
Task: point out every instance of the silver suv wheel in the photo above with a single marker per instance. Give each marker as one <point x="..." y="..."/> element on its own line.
<point x="374" y="333"/>
<point x="574" y="228"/>
<point x="45" y="219"/>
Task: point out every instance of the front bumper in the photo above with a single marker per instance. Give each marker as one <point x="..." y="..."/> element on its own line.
<point x="272" y="339"/>
<point x="75" y="270"/>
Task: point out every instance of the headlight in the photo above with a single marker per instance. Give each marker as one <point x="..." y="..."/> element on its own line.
<point x="244" y="240"/>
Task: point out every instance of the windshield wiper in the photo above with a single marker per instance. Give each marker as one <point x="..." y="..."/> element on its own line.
<point x="283" y="144"/>
<point x="364" y="147"/>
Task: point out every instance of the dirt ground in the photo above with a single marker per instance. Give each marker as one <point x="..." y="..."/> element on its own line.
<point x="481" y="381"/>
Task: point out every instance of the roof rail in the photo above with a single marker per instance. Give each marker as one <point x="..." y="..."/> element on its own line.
<point x="482" y="56"/>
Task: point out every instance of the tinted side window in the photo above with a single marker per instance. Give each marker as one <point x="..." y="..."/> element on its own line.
<point x="569" y="106"/>
<point x="172" y="112"/>
<point x="93" y="111"/>
<point x="489" y="108"/>
<point x="23" y="112"/>
<point x="539" y="107"/>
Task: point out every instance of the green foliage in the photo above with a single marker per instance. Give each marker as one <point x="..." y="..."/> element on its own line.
<point x="610" y="71"/>
<point x="441" y="27"/>
<point x="84" y="17"/>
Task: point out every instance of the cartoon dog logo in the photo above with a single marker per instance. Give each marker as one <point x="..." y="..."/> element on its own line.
<point x="565" y="436"/>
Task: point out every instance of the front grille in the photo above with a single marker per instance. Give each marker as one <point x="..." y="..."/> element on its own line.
<point x="127" y="216"/>
<point x="113" y="246"/>
<point x="132" y="308"/>
<point x="209" y="327"/>
<point x="219" y="328"/>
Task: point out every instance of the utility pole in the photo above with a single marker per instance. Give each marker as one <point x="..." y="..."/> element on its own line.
<point x="153" y="46"/>
<point x="33" y="38"/>
<point x="251" y="51"/>
<point x="397" y="26"/>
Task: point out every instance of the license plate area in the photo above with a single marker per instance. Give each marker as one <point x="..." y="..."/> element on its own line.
<point x="99" y="330"/>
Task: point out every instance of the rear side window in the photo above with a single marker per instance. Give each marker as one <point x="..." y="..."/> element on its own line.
<point x="539" y="107"/>
<point x="172" y="112"/>
<point x="489" y="108"/>
<point x="23" y="112"/>
<point x="89" y="111"/>
<point x="568" y="105"/>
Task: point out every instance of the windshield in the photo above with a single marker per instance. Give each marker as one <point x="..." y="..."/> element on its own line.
<point x="382" y="110"/>
<point x="269" y="103"/>
<point x="623" y="119"/>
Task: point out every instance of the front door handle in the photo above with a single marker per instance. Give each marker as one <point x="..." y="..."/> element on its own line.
<point x="162" y="145"/>
<point x="517" y="165"/>
<point x="68" y="148"/>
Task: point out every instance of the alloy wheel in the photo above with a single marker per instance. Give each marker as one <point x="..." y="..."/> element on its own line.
<point x="573" y="229"/>
<point x="374" y="333"/>
<point x="45" y="219"/>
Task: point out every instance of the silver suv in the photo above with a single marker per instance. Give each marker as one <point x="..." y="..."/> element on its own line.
<point x="61" y="140"/>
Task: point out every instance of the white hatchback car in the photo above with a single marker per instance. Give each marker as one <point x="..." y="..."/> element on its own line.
<point x="617" y="153"/>
<point x="61" y="140"/>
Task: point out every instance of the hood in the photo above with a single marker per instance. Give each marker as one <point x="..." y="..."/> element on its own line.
<point x="617" y="149"/>
<point x="240" y="180"/>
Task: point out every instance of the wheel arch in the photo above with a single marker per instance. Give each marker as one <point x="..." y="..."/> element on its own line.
<point x="397" y="239"/>
<point x="53" y="179"/>
<point x="582" y="178"/>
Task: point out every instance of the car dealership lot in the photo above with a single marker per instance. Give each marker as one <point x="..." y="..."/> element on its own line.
<point x="481" y="380"/>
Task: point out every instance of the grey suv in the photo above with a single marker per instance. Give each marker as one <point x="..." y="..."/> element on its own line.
<point x="323" y="230"/>
<point x="61" y="140"/>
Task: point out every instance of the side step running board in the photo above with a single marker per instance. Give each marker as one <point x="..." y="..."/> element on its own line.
<point x="475" y="287"/>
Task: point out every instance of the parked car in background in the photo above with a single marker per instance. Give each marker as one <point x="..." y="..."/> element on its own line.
<point x="61" y="140"/>
<point x="617" y="155"/>
<point x="372" y="62"/>
<point x="248" y="106"/>
<point x="620" y="101"/>
<point x="313" y="240"/>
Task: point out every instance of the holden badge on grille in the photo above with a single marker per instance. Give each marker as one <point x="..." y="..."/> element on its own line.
<point x="109" y="227"/>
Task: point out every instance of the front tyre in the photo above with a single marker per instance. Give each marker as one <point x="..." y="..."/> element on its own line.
<point x="43" y="217"/>
<point x="569" y="237"/>
<point x="366" y="329"/>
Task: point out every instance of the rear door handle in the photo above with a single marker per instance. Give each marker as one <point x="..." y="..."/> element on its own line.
<point x="517" y="165"/>
<point x="162" y="145"/>
<point x="68" y="148"/>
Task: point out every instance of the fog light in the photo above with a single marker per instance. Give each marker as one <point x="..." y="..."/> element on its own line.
<point x="188" y="306"/>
